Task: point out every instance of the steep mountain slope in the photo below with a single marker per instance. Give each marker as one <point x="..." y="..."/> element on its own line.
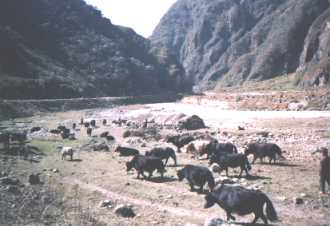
<point x="229" y="42"/>
<point x="65" y="48"/>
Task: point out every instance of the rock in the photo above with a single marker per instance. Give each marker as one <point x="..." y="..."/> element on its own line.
<point x="215" y="222"/>
<point x="282" y="198"/>
<point x="263" y="133"/>
<point x="105" y="204"/>
<point x="241" y="128"/>
<point x="34" y="179"/>
<point x="45" y="199"/>
<point x="298" y="201"/>
<point x="125" y="211"/>
<point x="55" y="170"/>
<point x="191" y="123"/>
<point x="303" y="195"/>
<point x="169" y="197"/>
<point x="100" y="147"/>
<point x="12" y="189"/>
<point x="9" y="181"/>
<point x="215" y="168"/>
<point x="3" y="174"/>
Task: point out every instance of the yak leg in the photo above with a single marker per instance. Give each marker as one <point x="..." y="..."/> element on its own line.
<point x="166" y="162"/>
<point x="322" y="183"/>
<point x="227" y="171"/>
<point x="201" y="189"/>
<point x="264" y="218"/>
<point x="240" y="174"/>
<point x="229" y="216"/>
<point x="191" y="186"/>
<point x="256" y="217"/>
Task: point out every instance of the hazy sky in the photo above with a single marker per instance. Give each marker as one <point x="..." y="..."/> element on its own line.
<point x="141" y="15"/>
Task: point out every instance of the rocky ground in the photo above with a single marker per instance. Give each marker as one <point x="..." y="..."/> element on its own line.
<point x="95" y="188"/>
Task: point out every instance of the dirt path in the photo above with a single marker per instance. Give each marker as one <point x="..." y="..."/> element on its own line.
<point x="181" y="212"/>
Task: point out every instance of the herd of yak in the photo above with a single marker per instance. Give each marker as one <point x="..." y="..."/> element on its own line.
<point x="233" y="199"/>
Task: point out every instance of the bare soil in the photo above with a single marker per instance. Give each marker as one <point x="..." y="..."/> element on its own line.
<point x="75" y="191"/>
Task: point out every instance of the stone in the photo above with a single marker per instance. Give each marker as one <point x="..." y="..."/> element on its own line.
<point x="34" y="179"/>
<point x="298" y="201"/>
<point x="191" y="123"/>
<point x="215" y="222"/>
<point x="9" y="181"/>
<point x="125" y="211"/>
<point x="105" y="204"/>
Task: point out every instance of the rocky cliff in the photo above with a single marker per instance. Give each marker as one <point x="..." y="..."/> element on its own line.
<point x="228" y="42"/>
<point x="65" y="48"/>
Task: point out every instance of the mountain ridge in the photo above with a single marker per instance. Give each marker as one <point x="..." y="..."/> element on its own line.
<point x="66" y="48"/>
<point x="227" y="43"/>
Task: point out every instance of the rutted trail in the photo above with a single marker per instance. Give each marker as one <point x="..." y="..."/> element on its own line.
<point x="173" y="210"/>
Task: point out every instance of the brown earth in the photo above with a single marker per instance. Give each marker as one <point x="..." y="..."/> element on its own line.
<point x="80" y="185"/>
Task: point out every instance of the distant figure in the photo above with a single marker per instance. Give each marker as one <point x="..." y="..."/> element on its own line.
<point x="81" y="121"/>
<point x="104" y="122"/>
<point x="325" y="170"/>
<point x="145" y="124"/>
<point x="74" y="125"/>
<point x="89" y="132"/>
<point x="93" y="123"/>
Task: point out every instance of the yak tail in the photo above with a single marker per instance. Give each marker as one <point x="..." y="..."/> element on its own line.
<point x="280" y="152"/>
<point x="270" y="210"/>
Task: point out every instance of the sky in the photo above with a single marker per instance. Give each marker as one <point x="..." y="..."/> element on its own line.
<point x="141" y="15"/>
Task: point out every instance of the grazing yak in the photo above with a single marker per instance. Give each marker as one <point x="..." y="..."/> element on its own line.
<point x="242" y="201"/>
<point x="325" y="170"/>
<point x="180" y="140"/>
<point x="214" y="147"/>
<point x="197" y="176"/>
<point x="163" y="153"/>
<point x="262" y="150"/>
<point x="35" y="129"/>
<point x="19" y="137"/>
<point x="5" y="139"/>
<point x="66" y="151"/>
<point x="125" y="151"/>
<point x="148" y="164"/>
<point x="226" y="161"/>
<point x="89" y="132"/>
<point x="93" y="123"/>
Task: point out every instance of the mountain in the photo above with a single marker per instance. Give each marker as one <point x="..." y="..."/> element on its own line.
<point x="229" y="42"/>
<point x="65" y="49"/>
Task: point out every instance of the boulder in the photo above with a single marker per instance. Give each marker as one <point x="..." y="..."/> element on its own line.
<point x="192" y="123"/>
<point x="9" y="181"/>
<point x="125" y="211"/>
<point x="215" y="222"/>
<point x="101" y="147"/>
<point x="106" y="204"/>
<point x="34" y="179"/>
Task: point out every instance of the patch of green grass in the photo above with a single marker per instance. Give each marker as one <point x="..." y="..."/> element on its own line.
<point x="47" y="146"/>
